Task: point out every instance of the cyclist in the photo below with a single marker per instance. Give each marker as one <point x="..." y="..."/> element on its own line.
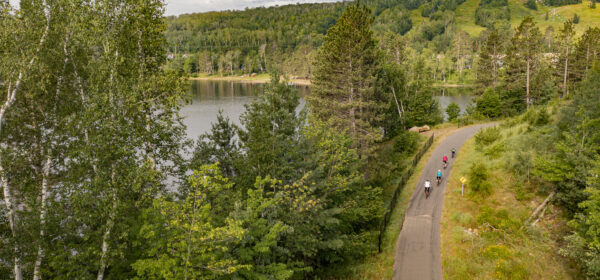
<point x="445" y="160"/>
<point x="439" y="176"/>
<point x="453" y="152"/>
<point x="427" y="186"/>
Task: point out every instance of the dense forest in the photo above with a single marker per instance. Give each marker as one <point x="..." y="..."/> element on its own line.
<point x="99" y="180"/>
<point x="286" y="38"/>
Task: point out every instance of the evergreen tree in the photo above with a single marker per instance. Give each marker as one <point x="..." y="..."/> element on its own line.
<point x="566" y="42"/>
<point x="522" y="57"/>
<point x="490" y="61"/>
<point x="421" y="107"/>
<point x="344" y="78"/>
<point x="270" y="134"/>
<point x="586" y="53"/>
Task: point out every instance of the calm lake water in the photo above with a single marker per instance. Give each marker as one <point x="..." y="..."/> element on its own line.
<point x="208" y="97"/>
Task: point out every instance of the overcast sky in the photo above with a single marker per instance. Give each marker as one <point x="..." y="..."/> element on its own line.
<point x="176" y="7"/>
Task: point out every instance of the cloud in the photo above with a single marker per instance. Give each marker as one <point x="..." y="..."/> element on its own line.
<point x="176" y="7"/>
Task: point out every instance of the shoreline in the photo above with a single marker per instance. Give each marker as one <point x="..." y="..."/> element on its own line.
<point x="260" y="79"/>
<point x="264" y="78"/>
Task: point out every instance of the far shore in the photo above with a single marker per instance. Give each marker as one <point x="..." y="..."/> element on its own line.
<point x="264" y="78"/>
<point x="258" y="79"/>
<point x="452" y="85"/>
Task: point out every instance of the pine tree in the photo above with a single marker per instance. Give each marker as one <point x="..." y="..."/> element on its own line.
<point x="270" y="133"/>
<point x="344" y="77"/>
<point x="522" y="57"/>
<point x="586" y="53"/>
<point x="490" y="61"/>
<point x="566" y="42"/>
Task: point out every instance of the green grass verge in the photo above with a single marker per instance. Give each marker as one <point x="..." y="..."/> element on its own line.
<point x="499" y="248"/>
<point x="380" y="266"/>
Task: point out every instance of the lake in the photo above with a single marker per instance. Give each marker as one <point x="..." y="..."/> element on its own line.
<point x="208" y="97"/>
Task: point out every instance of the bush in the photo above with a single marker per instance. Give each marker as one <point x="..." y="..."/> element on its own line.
<point x="531" y="4"/>
<point x="453" y="111"/>
<point x="489" y="104"/>
<point x="495" y="150"/>
<point x="487" y="136"/>
<point x="478" y="176"/>
<point x="406" y="142"/>
<point x="538" y="118"/>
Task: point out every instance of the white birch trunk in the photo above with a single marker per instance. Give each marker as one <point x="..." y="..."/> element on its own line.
<point x="112" y="213"/>
<point x="8" y="202"/>
<point x="44" y="191"/>
<point x="109" y="225"/>
<point x="10" y="99"/>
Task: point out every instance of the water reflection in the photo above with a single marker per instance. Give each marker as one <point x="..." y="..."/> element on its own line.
<point x="208" y="97"/>
<point x="461" y="96"/>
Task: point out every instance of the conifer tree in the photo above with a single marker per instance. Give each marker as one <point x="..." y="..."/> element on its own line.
<point x="490" y="61"/>
<point x="344" y="77"/>
<point x="522" y="57"/>
<point x="587" y="52"/>
<point x="566" y="42"/>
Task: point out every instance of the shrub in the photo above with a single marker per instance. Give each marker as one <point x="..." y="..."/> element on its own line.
<point x="538" y="118"/>
<point x="531" y="4"/>
<point x="489" y="104"/>
<point x="487" y="136"/>
<point x="406" y="142"/>
<point x="478" y="176"/>
<point x="495" y="150"/>
<point x="453" y="111"/>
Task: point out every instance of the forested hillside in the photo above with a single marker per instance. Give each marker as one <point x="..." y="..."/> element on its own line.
<point x="447" y="33"/>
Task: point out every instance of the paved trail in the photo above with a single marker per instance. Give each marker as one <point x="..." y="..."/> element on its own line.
<point x="418" y="247"/>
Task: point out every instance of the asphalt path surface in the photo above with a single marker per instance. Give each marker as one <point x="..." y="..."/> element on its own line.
<point x="418" y="247"/>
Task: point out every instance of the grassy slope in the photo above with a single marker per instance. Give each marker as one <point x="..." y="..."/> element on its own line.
<point x="465" y="16"/>
<point x="503" y="253"/>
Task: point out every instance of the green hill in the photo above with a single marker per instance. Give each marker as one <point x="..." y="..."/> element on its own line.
<point x="256" y="40"/>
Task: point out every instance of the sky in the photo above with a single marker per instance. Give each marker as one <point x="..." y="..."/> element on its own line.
<point x="177" y="7"/>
